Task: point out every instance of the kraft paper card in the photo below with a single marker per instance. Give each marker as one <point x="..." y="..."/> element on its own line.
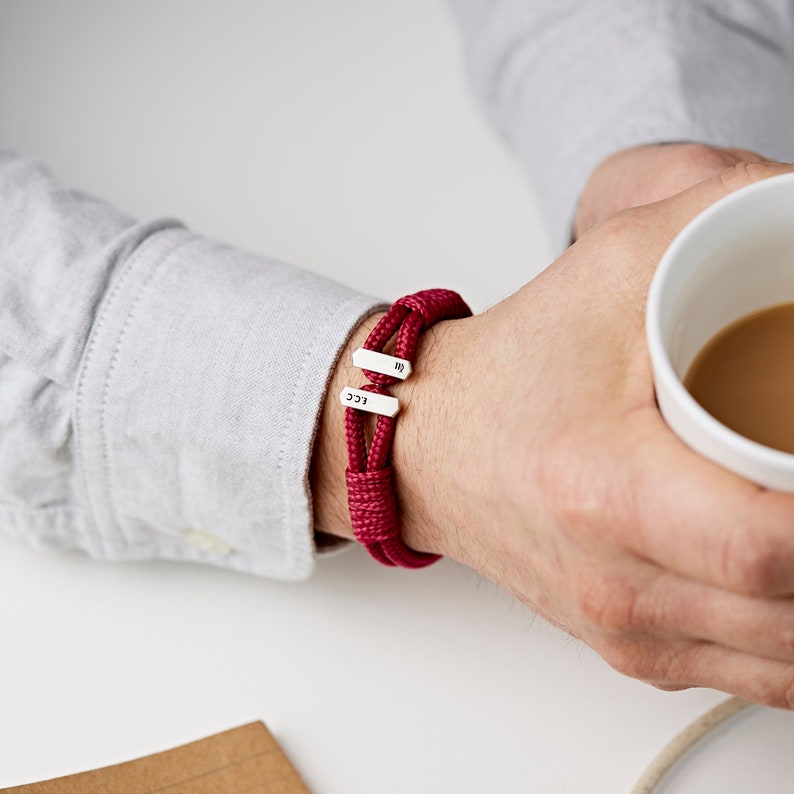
<point x="245" y="759"/>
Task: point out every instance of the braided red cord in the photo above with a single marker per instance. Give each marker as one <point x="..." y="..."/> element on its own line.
<point x="371" y="496"/>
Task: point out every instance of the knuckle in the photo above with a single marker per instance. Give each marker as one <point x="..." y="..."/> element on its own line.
<point x="623" y="232"/>
<point x="609" y="605"/>
<point x="784" y="641"/>
<point x="575" y="496"/>
<point x="589" y="495"/>
<point x="631" y="239"/>
<point x="577" y="504"/>
<point x="750" y="562"/>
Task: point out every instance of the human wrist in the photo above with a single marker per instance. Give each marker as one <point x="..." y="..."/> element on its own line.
<point x="329" y="456"/>
<point x="424" y="482"/>
<point x="424" y="451"/>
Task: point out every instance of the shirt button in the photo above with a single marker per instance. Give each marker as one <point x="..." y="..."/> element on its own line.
<point x="205" y="541"/>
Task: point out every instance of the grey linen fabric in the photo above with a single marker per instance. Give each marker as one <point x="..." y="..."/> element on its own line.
<point x="156" y="385"/>
<point x="568" y="82"/>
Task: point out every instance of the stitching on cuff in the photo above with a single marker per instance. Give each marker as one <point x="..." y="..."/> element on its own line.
<point x="92" y="497"/>
<point x="155" y="269"/>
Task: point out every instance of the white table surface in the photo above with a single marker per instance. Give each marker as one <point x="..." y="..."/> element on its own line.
<point x="340" y="136"/>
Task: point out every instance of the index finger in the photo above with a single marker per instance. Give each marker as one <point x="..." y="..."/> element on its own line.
<point x="696" y="518"/>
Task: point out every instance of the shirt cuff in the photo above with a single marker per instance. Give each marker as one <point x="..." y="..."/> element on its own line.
<point x="197" y="403"/>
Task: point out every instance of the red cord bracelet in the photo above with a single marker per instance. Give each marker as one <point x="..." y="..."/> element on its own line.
<point x="371" y="495"/>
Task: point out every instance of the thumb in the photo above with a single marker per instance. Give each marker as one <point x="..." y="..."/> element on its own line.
<point x="677" y="211"/>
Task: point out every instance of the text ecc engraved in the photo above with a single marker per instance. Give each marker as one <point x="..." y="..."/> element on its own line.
<point x="356" y="398"/>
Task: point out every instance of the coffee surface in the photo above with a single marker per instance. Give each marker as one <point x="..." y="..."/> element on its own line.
<point x="744" y="377"/>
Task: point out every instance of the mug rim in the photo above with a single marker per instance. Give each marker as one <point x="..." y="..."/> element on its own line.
<point x="664" y="373"/>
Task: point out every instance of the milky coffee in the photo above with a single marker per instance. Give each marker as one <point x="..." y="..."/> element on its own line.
<point x="744" y="377"/>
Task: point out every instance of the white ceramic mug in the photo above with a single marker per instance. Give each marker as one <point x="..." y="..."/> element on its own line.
<point x="734" y="258"/>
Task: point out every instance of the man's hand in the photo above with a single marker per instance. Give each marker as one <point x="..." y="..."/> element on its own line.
<point x="530" y="448"/>
<point x="644" y="174"/>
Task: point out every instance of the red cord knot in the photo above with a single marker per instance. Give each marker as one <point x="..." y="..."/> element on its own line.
<point x="433" y="305"/>
<point x="408" y="317"/>
<point x="373" y="508"/>
<point x="373" y="513"/>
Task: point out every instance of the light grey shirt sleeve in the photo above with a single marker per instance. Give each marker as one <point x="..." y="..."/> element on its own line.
<point x="568" y="82"/>
<point x="159" y="392"/>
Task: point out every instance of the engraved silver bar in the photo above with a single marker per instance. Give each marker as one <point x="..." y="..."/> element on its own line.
<point x="367" y="401"/>
<point x="380" y="362"/>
